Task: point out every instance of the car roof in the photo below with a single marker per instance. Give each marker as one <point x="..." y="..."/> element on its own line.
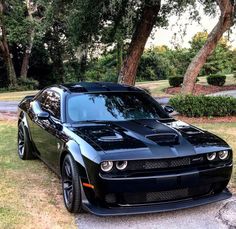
<point x="98" y="87"/>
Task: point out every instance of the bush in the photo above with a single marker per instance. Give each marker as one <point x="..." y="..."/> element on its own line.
<point x="27" y="84"/>
<point x="216" y="80"/>
<point x="199" y="106"/>
<point x="176" y="81"/>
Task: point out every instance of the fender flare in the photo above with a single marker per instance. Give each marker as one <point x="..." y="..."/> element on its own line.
<point x="73" y="148"/>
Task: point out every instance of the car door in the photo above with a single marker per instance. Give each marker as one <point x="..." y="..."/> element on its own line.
<point x="45" y="131"/>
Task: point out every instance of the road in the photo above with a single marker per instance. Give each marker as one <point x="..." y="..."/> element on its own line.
<point x="226" y="93"/>
<point x="218" y="215"/>
<point x="11" y="106"/>
<point x="8" y="107"/>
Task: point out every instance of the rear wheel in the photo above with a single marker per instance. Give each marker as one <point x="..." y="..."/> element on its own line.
<point x="71" y="185"/>
<point x="24" y="147"/>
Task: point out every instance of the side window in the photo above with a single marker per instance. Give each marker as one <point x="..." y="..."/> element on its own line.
<point x="50" y="101"/>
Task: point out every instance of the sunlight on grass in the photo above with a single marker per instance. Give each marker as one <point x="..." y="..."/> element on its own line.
<point x="30" y="194"/>
<point x="15" y="96"/>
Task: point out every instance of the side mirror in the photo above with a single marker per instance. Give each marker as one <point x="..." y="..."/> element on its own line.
<point x="43" y="115"/>
<point x="168" y="109"/>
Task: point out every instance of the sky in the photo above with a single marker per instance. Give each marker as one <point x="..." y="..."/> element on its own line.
<point x="165" y="36"/>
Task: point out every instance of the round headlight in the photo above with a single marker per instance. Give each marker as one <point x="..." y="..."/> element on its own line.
<point x="211" y="156"/>
<point x="121" y="165"/>
<point x="106" y="166"/>
<point x="223" y="154"/>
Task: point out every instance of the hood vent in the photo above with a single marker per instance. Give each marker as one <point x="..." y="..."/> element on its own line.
<point x="111" y="138"/>
<point x="164" y="138"/>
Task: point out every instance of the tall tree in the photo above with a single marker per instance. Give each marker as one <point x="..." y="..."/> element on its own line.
<point x="226" y="20"/>
<point x="31" y="9"/>
<point x="4" y="46"/>
<point x="142" y="32"/>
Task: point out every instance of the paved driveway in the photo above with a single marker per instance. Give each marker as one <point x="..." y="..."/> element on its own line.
<point x="218" y="215"/>
<point x="226" y="93"/>
<point x="8" y="107"/>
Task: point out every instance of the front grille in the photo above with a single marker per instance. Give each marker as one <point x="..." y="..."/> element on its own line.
<point x="159" y="164"/>
<point x="155" y="197"/>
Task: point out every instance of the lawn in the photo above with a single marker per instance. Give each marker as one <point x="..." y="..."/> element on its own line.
<point x="15" y="96"/>
<point x="30" y="194"/>
<point x="157" y="87"/>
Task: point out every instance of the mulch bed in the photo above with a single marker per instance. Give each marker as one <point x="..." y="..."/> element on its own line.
<point x="201" y="89"/>
<point x="206" y="119"/>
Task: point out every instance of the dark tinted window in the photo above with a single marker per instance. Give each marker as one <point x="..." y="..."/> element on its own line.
<point x="113" y="106"/>
<point x="50" y="101"/>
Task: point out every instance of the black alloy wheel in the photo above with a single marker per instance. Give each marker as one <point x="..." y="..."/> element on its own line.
<point x="71" y="185"/>
<point x="24" y="147"/>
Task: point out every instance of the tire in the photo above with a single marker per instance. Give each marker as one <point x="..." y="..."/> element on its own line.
<point x="24" y="148"/>
<point x="71" y="185"/>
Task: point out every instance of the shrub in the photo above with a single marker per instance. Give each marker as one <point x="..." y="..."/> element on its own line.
<point x="199" y="106"/>
<point x="234" y="74"/>
<point x="27" y="84"/>
<point x="216" y="80"/>
<point x="176" y="81"/>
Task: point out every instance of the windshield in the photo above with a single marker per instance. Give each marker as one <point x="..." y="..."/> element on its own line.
<point x="113" y="106"/>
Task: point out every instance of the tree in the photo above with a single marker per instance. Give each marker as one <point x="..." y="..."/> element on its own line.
<point x="226" y="20"/>
<point x="143" y="30"/>
<point x="34" y="17"/>
<point x="4" y="46"/>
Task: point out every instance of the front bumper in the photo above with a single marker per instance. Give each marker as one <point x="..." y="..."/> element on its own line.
<point x="158" y="193"/>
<point x="155" y="208"/>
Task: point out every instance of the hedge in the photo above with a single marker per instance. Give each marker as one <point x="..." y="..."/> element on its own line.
<point x="176" y="81"/>
<point x="216" y="80"/>
<point x="199" y="106"/>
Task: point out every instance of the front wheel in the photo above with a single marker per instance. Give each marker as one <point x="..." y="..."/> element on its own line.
<point x="71" y="185"/>
<point x="24" y="144"/>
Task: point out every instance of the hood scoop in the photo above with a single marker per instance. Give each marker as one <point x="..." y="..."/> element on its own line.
<point x="190" y="130"/>
<point x="111" y="138"/>
<point x="164" y="138"/>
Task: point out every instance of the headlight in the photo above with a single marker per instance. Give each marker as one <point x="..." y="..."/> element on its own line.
<point x="121" y="165"/>
<point x="211" y="156"/>
<point x="107" y="166"/>
<point x="223" y="154"/>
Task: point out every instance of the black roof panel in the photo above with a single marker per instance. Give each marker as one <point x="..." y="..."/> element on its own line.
<point x="98" y="87"/>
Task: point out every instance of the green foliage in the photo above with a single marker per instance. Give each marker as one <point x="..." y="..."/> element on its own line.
<point x="199" y="106"/>
<point x="221" y="60"/>
<point x="216" y="80"/>
<point x="27" y="84"/>
<point x="176" y="81"/>
<point x="102" y="69"/>
<point x="154" y="66"/>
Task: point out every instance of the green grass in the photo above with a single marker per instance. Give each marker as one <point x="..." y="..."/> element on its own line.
<point x="15" y="96"/>
<point x="30" y="194"/>
<point x="157" y="87"/>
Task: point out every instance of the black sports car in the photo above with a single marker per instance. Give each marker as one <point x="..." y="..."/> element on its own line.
<point x="119" y="152"/>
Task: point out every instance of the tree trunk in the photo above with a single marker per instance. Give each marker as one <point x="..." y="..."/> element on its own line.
<point x="120" y="46"/>
<point x="142" y="32"/>
<point x="224" y="24"/>
<point x="7" y="56"/>
<point x="25" y="63"/>
<point x="26" y="57"/>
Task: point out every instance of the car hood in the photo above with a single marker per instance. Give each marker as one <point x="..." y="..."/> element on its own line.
<point x="148" y="138"/>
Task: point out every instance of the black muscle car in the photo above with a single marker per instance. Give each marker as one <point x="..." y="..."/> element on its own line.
<point x="119" y="152"/>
